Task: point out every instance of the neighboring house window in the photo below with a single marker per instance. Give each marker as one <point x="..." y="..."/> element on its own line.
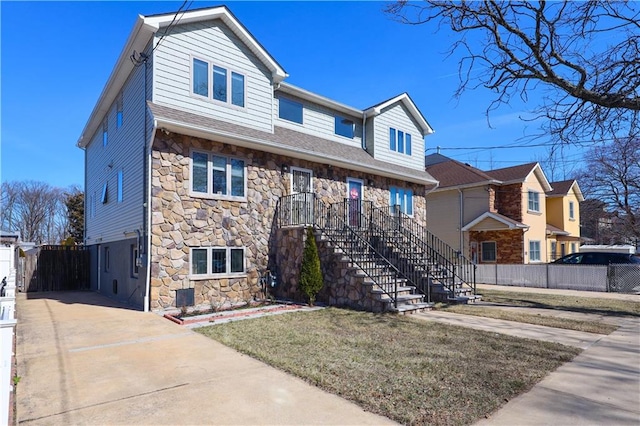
<point x="554" y="247"/>
<point x="222" y="79"/>
<point x="119" y="112"/>
<point x="119" y="186"/>
<point x="105" y="132"/>
<point x="212" y="261"/>
<point x="217" y="175"/>
<point x="573" y="247"/>
<point x="534" y="251"/>
<point x="399" y="141"/>
<point x="571" y="211"/>
<point x="488" y="249"/>
<point x="107" y="259"/>
<point x="344" y="127"/>
<point x="534" y="201"/>
<point x="290" y="110"/>
<point x="105" y="194"/>
<point x="135" y="268"/>
<point x="402" y="198"/>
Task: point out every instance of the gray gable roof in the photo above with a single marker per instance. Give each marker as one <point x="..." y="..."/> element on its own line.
<point x="290" y="142"/>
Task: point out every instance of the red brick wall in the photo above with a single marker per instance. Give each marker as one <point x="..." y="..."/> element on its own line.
<point x="509" y="201"/>
<point x="509" y="245"/>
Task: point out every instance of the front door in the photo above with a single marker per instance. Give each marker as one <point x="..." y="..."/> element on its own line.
<point x="354" y="187"/>
<point x="302" y="196"/>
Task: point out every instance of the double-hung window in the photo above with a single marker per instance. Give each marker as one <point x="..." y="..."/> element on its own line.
<point x="571" y="211"/>
<point x="534" y="251"/>
<point x="216" y="261"/>
<point x="489" y="251"/>
<point x="226" y="86"/>
<point x="399" y="141"/>
<point x="401" y="199"/>
<point x="534" y="201"/>
<point x="218" y="176"/>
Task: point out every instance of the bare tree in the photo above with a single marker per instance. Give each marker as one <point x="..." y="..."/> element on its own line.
<point x="35" y="209"/>
<point x="612" y="176"/>
<point x="582" y="58"/>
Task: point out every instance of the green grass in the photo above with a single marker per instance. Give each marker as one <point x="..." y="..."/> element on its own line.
<point x="592" y="305"/>
<point x="597" y="327"/>
<point x="411" y="371"/>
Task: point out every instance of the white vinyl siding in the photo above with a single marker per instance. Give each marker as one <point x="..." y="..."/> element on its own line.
<point x="318" y="121"/>
<point x="124" y="153"/>
<point x="397" y="117"/>
<point x="216" y="44"/>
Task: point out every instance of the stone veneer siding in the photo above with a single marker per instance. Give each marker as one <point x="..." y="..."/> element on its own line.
<point x="509" y="245"/>
<point x="181" y="221"/>
<point x="509" y="201"/>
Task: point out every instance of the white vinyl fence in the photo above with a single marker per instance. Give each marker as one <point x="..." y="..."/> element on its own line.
<point x="570" y="277"/>
<point x="7" y="334"/>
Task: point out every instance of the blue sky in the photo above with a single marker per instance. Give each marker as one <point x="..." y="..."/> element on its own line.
<point x="57" y="56"/>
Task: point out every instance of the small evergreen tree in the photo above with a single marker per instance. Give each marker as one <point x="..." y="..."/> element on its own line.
<point x="311" y="280"/>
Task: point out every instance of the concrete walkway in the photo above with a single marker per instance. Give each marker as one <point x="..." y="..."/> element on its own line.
<point x="84" y="359"/>
<point x="601" y="386"/>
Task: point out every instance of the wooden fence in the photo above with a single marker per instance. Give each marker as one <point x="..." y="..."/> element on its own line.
<point x="56" y="268"/>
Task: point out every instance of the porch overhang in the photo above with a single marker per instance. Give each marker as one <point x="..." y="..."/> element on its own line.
<point x="490" y="221"/>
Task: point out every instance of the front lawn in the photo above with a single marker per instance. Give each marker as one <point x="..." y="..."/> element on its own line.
<point x="411" y="371"/>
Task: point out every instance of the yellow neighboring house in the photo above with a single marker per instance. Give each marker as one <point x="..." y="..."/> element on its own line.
<point x="563" y="218"/>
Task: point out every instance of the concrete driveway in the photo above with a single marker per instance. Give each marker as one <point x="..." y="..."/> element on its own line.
<point x="84" y="359"/>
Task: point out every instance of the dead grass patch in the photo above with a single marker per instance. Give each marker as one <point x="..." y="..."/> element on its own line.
<point x="411" y="371"/>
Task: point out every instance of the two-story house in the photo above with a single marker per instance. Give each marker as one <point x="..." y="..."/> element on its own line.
<point x="496" y="216"/>
<point x="563" y="218"/>
<point x="195" y="140"/>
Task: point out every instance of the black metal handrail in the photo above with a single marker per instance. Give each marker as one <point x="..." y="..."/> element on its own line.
<point x="436" y="251"/>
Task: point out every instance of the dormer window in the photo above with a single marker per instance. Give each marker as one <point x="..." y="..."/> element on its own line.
<point x="534" y="201"/>
<point x="221" y="80"/>
<point x="399" y="141"/>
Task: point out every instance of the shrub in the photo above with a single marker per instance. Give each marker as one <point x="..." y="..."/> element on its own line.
<point x="311" y="280"/>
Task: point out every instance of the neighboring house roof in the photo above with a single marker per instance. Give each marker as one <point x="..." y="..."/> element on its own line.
<point x="283" y="141"/>
<point x="520" y="173"/>
<point x="406" y="100"/>
<point x="9" y="234"/>
<point x="552" y="230"/>
<point x="562" y="188"/>
<point x="138" y="40"/>
<point x="501" y="222"/>
<point x="452" y="173"/>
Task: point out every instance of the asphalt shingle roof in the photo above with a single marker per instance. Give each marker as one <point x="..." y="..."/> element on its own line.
<point x="561" y="188"/>
<point x="507" y="174"/>
<point x="454" y="173"/>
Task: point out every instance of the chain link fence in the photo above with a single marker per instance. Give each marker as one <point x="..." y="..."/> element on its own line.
<point x="612" y="278"/>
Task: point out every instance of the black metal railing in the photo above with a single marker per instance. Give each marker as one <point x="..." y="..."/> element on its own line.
<point x="407" y="247"/>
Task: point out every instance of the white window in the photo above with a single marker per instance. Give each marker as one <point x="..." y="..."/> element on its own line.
<point x="534" y="201"/>
<point x="119" y="112"/>
<point x="489" y="251"/>
<point x="105" y="132"/>
<point x="571" y="211"/>
<point x="221" y="80"/>
<point x="218" y="176"/>
<point x="301" y="180"/>
<point x="399" y="141"/>
<point x="534" y="251"/>
<point x="105" y="194"/>
<point x="402" y="199"/>
<point x="119" y="186"/>
<point x="554" y="247"/>
<point x="573" y="247"/>
<point x="212" y="262"/>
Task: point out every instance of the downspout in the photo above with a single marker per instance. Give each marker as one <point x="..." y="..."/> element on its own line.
<point x="148" y="224"/>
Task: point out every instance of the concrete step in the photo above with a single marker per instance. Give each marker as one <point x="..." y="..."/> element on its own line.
<point x="412" y="308"/>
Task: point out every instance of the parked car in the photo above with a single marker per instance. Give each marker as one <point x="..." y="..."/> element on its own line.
<point x="598" y="258"/>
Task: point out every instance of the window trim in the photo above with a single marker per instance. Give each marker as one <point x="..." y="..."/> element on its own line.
<point x="404" y="148"/>
<point x="539" y="251"/>
<point x="572" y="211"/>
<point x="119" y="112"/>
<point x="105" y="132"/>
<point x="209" y="194"/>
<point x="300" y="169"/>
<point x="340" y="118"/>
<point x="210" y="275"/>
<point x="105" y="193"/>
<point x="482" y="251"/>
<point x="529" y="201"/>
<point x="210" y="85"/>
